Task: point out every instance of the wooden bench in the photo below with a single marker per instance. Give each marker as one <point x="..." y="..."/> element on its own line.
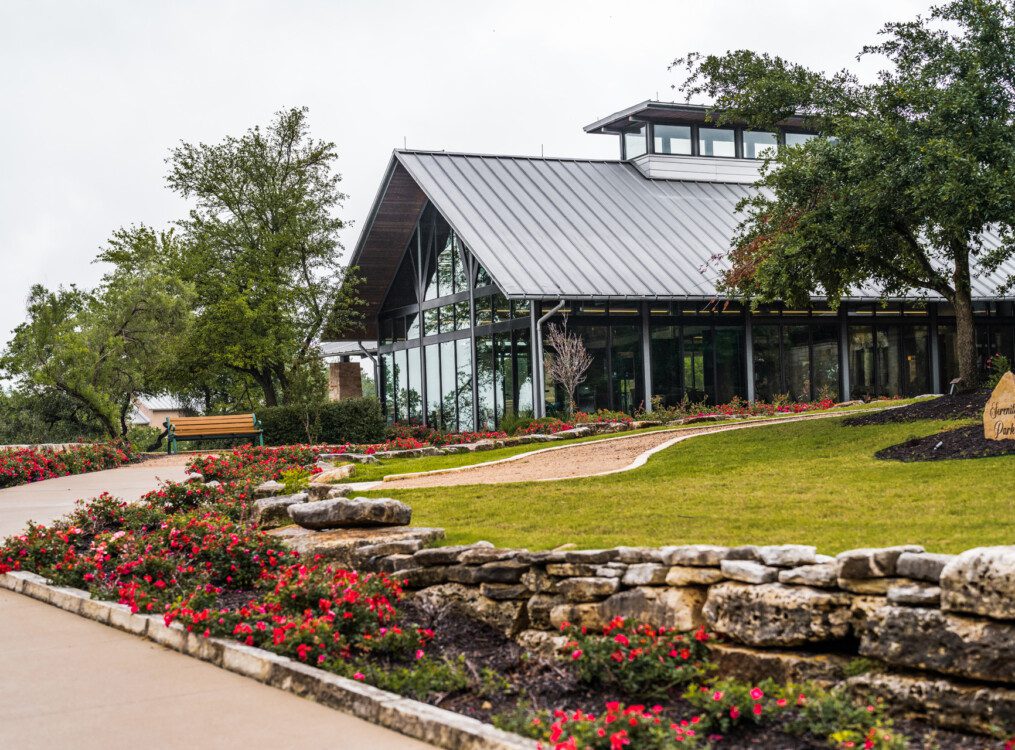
<point x="212" y="428"/>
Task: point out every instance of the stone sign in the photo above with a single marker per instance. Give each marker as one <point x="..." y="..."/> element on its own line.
<point x="999" y="414"/>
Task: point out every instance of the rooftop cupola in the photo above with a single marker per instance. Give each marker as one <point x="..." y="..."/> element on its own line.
<point x="672" y="141"/>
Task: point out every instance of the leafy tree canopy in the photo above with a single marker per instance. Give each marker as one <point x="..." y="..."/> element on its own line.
<point x="262" y="254"/>
<point x="913" y="186"/>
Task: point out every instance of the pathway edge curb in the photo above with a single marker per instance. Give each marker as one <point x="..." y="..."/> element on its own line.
<point x="412" y="718"/>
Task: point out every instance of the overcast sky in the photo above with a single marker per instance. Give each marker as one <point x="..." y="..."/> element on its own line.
<point x="94" y="94"/>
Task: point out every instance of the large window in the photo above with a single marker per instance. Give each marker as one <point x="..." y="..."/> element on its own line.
<point x="717" y="142"/>
<point x="798" y="139"/>
<point x="625" y="360"/>
<point x="672" y="139"/>
<point x="635" y="143"/>
<point x="759" y="144"/>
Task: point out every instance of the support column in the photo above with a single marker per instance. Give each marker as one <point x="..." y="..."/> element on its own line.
<point x="844" y="394"/>
<point x="749" y="354"/>
<point x="646" y="355"/>
<point x="935" y="353"/>
<point x="536" y="360"/>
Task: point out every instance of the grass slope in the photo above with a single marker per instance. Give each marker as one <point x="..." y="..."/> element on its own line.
<point x="373" y="472"/>
<point x="811" y="482"/>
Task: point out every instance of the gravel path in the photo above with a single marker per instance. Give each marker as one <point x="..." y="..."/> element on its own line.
<point x="574" y="461"/>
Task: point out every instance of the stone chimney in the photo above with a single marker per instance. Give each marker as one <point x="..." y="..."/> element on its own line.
<point x="344" y="381"/>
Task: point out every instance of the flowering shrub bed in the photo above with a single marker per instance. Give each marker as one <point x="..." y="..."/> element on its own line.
<point x="25" y="465"/>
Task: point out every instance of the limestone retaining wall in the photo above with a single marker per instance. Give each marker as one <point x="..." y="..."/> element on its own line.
<point x="935" y="633"/>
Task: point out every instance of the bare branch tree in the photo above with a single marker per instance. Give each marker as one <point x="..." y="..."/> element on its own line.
<point x="569" y="363"/>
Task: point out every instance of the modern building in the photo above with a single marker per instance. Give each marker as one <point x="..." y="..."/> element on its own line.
<point x="467" y="258"/>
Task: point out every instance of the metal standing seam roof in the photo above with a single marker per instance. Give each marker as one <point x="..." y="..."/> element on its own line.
<point x="572" y="228"/>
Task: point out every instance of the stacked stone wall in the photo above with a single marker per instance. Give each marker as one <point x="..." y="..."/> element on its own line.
<point x="935" y="633"/>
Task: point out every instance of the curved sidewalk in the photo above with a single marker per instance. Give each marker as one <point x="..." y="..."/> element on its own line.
<point x="70" y="682"/>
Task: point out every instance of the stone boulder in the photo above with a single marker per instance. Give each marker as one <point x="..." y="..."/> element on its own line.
<point x="273" y="511"/>
<point x="981" y="581"/>
<point x="821" y="575"/>
<point x="872" y="562"/>
<point x="327" y="491"/>
<point x="341" y="513"/>
<point x="333" y="474"/>
<point x="933" y="640"/>
<point x="787" y="555"/>
<point x="773" y="614"/>
<point x="672" y="607"/>
<point x="587" y="589"/>
<point x="509" y="617"/>
<point x="747" y="571"/>
<point x="269" y="489"/>
<point x="971" y="708"/>
<point x="922" y="566"/>
<point x="698" y="555"/>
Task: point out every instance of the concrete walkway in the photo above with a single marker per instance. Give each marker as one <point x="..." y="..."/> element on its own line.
<point x="69" y="682"/>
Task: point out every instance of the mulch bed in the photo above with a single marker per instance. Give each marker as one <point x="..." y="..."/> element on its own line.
<point x="964" y="442"/>
<point x="960" y="406"/>
<point x="548" y="684"/>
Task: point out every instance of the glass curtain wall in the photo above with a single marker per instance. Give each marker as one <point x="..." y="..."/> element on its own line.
<point x="796" y="354"/>
<point x="889" y="355"/>
<point x="447" y="337"/>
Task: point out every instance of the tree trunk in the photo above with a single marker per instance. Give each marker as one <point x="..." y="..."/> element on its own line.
<point x="264" y="380"/>
<point x="965" y="326"/>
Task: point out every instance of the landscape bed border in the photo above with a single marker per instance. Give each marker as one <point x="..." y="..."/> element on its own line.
<point x="422" y="721"/>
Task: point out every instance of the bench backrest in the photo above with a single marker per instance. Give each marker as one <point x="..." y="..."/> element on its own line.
<point x="227" y="424"/>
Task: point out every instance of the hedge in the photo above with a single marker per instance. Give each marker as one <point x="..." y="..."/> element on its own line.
<point x="357" y="420"/>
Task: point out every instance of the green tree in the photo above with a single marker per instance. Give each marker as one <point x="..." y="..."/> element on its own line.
<point x="913" y="187"/>
<point x="103" y="348"/>
<point x="262" y="255"/>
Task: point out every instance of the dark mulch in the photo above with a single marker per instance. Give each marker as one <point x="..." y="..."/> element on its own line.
<point x="538" y="683"/>
<point x="964" y="442"/>
<point x="960" y="406"/>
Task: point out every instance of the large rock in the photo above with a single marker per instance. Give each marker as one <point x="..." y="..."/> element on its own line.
<point x="507" y="616"/>
<point x="333" y="475"/>
<point x="269" y="489"/>
<point x="341" y="513"/>
<point x="671" y="607"/>
<point x="687" y="575"/>
<point x="822" y="575"/>
<point x="972" y="708"/>
<point x="773" y="614"/>
<point x="747" y="571"/>
<point x="342" y="546"/>
<point x="981" y="581"/>
<point x="698" y="555"/>
<point x="645" y="574"/>
<point x="932" y="640"/>
<point x="587" y="589"/>
<point x="873" y="562"/>
<point x="787" y="555"/>
<point x="922" y="566"/>
<point x="754" y="665"/>
<point x="273" y="511"/>
<point x="915" y="594"/>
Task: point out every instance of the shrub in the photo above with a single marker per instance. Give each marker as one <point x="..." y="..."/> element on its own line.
<point x="638" y="660"/>
<point x="25" y="465"/>
<point x="997" y="366"/>
<point x="617" y="727"/>
<point x="296" y="480"/>
<point x="357" y="420"/>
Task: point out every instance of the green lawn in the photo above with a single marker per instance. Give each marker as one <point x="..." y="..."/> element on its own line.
<point x="813" y="482"/>
<point x="373" y="472"/>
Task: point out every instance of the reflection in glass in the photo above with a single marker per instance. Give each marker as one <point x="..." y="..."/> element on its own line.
<point x="412" y="330"/>
<point x="402" y="390"/>
<point x="915" y="361"/>
<point x="697" y="369"/>
<point x="464" y="385"/>
<point x="729" y="345"/>
<point x="462" y="320"/>
<point x="634" y="143"/>
<point x="523" y="365"/>
<point x="431" y="324"/>
<point x="825" y="353"/>
<point x="665" y="345"/>
<point x="483" y="278"/>
<point x="448" y="394"/>
<point x="798" y="139"/>
<point x="767" y="362"/>
<point x="716" y="142"/>
<point x="414" y="395"/>
<point x="759" y="144"/>
<point x="390" y="379"/>
<point x="796" y="352"/>
<point x="626" y="368"/>
<point x="672" y="139"/>
<point x="504" y="381"/>
<point x="484" y="311"/>
<point x="433" y="385"/>
<point x="861" y="361"/>
<point x="888" y="381"/>
<point x="485" y="379"/>
<point x="501" y="308"/>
